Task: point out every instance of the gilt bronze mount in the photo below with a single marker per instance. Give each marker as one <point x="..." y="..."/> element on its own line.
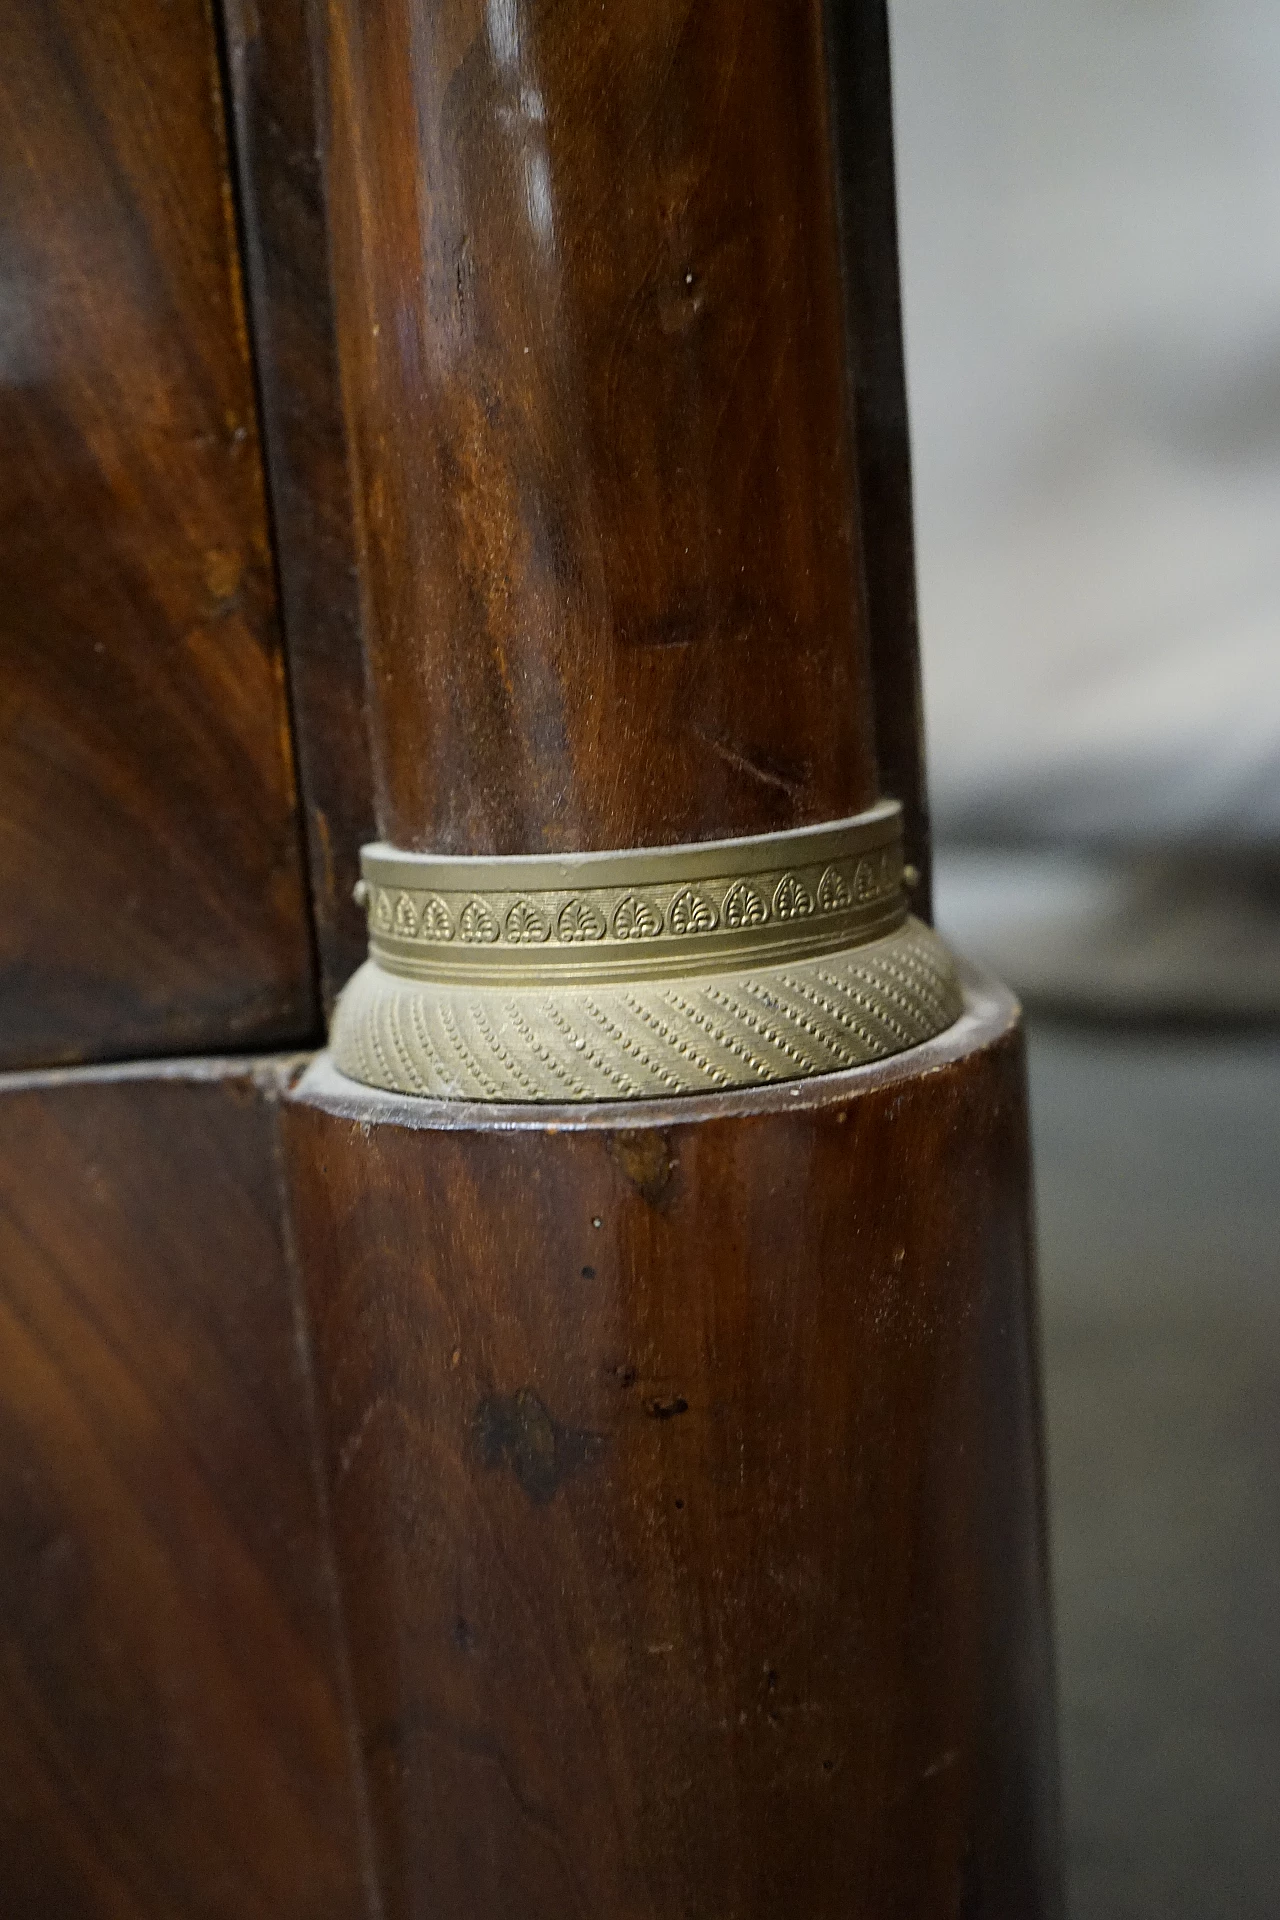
<point x="641" y="973"/>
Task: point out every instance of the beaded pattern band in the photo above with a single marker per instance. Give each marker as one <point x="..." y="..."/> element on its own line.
<point x="627" y="975"/>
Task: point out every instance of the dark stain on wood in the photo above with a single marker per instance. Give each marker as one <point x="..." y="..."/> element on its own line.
<point x="646" y="1159"/>
<point x="517" y="1431"/>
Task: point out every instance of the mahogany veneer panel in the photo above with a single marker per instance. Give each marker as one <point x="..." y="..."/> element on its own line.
<point x="685" y="1484"/>
<point x="151" y="886"/>
<point x="171" y="1744"/>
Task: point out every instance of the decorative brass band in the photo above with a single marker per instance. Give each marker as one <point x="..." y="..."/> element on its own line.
<point x="625" y="975"/>
<point x="663" y="910"/>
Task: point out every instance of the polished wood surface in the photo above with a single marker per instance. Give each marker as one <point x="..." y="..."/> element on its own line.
<point x="428" y="1510"/>
<point x="272" y="81"/>
<point x="151" y="887"/>
<point x="685" y="1490"/>
<point x="592" y="337"/>
<point x="171" y="1744"/>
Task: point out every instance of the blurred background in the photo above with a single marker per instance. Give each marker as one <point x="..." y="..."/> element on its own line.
<point x="1090" y="226"/>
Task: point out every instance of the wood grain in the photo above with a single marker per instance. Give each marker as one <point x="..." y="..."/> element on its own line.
<point x="863" y="120"/>
<point x="685" y="1486"/>
<point x="592" y="340"/>
<point x="151" y="885"/>
<point x="273" y="84"/>
<point x="171" y="1743"/>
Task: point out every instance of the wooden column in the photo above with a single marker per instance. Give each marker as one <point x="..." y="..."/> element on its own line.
<point x="686" y="1489"/>
<point x="593" y="348"/>
<point x="682" y="1454"/>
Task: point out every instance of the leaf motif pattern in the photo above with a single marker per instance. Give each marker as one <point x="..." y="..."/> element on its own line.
<point x="744" y="907"/>
<point x="595" y="916"/>
<point x="792" y="900"/>
<point x="579" y="921"/>
<point x="525" y="925"/>
<point x="691" y="912"/>
<point x="477" y="924"/>
<point x="833" y="892"/>
<point x="437" y="922"/>
<point x="635" y="919"/>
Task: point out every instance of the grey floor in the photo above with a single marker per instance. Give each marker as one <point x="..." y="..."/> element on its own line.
<point x="1159" y="1208"/>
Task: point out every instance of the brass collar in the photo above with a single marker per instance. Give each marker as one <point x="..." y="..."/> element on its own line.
<point x="647" y="913"/>
<point x="640" y="974"/>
